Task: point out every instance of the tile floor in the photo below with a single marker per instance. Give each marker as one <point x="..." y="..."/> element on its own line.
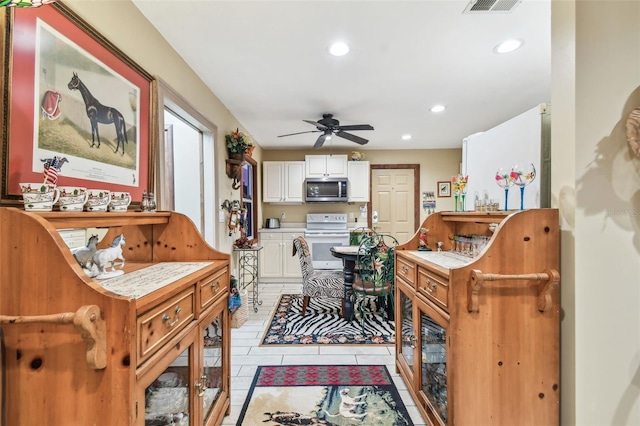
<point x="246" y="354"/>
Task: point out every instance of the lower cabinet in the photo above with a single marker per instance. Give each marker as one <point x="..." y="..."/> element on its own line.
<point x="189" y="381"/>
<point x="422" y="353"/>
<point x="478" y="337"/>
<point x="276" y="259"/>
<point x="149" y="346"/>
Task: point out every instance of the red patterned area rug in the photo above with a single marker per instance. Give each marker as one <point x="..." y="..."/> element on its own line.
<point x="323" y="324"/>
<point x="323" y="395"/>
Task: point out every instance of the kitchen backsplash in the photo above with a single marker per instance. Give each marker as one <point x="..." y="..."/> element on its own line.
<point x="298" y="213"/>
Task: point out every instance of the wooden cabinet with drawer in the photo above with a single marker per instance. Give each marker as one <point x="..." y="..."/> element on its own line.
<point x="479" y="336"/>
<point x="212" y="287"/>
<point x="163" y="323"/>
<point x="433" y="286"/>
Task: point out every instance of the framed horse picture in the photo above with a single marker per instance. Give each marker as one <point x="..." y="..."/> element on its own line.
<point x="73" y="101"/>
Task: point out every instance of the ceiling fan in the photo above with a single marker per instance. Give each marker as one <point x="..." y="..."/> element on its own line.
<point x="330" y="126"/>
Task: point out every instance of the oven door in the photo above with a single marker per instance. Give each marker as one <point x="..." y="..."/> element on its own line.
<point x="320" y="243"/>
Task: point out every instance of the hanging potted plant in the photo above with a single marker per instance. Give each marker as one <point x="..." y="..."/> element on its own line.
<point x="237" y="144"/>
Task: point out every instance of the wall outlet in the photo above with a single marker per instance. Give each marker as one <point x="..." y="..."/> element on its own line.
<point x="282" y="216"/>
<point x="351" y="215"/>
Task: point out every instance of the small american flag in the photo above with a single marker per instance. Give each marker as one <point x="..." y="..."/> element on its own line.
<point x="51" y="171"/>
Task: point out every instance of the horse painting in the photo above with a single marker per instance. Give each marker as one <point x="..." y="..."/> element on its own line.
<point x="107" y="257"/>
<point x="99" y="113"/>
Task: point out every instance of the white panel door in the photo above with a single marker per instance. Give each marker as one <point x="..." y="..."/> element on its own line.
<point x="393" y="199"/>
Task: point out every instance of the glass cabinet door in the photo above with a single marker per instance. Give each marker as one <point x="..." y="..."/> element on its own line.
<point x="408" y="334"/>
<point x="210" y="381"/>
<point x="167" y="398"/>
<point x="433" y="352"/>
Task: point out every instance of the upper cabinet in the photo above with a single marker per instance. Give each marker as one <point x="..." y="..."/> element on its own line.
<point x="282" y="181"/>
<point x="319" y="166"/>
<point x="358" y="181"/>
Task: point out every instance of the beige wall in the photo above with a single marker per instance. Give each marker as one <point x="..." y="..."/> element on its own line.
<point x="596" y="181"/>
<point x="125" y="26"/>
<point x="435" y="165"/>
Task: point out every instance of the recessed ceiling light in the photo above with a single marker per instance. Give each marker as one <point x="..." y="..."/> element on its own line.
<point x="406" y="137"/>
<point x="508" y="46"/>
<point x="438" y="108"/>
<point x="339" y="49"/>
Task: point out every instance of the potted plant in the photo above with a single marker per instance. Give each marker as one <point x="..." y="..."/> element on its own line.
<point x="237" y="144"/>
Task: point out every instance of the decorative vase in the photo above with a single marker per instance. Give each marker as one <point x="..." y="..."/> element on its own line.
<point x="455" y="202"/>
<point x="462" y="201"/>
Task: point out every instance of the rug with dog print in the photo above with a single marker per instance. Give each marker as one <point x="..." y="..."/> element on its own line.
<point x="323" y="395"/>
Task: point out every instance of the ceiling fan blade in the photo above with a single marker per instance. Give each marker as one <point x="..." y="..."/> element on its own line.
<point x="352" y="138"/>
<point x="356" y="127"/>
<point x="320" y="141"/>
<point x="299" y="133"/>
<point x="315" y="123"/>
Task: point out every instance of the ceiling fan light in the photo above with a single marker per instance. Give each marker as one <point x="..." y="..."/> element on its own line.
<point x="438" y="108"/>
<point x="339" y="49"/>
<point x="508" y="46"/>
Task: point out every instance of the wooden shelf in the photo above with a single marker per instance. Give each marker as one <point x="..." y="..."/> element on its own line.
<point x="477" y="217"/>
<point x="62" y="220"/>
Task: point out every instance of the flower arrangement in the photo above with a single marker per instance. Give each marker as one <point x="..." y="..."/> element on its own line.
<point x="237" y="142"/>
<point x="460" y="184"/>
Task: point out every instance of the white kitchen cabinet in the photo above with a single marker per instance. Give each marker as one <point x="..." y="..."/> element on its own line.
<point x="276" y="259"/>
<point x="319" y="166"/>
<point x="358" y="181"/>
<point x="283" y="181"/>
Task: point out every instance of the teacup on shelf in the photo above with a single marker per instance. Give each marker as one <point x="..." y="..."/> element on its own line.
<point x="38" y="196"/>
<point x="98" y="200"/>
<point x="119" y="201"/>
<point x="72" y="198"/>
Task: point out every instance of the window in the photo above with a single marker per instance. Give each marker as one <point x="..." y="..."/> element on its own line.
<point x="250" y="197"/>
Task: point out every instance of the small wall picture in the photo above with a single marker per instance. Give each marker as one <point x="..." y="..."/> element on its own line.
<point x="444" y="189"/>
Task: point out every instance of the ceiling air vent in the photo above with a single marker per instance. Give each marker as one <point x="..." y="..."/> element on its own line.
<point x="491" y="6"/>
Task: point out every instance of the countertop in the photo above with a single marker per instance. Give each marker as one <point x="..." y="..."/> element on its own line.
<point x="301" y="227"/>
<point x="443" y="259"/>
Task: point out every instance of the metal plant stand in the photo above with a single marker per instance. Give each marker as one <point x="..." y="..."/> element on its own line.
<point x="248" y="272"/>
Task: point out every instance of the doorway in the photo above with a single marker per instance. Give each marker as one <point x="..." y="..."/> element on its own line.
<point x="186" y="161"/>
<point x="393" y="208"/>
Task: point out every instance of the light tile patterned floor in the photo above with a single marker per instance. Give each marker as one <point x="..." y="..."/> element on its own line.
<point x="246" y="354"/>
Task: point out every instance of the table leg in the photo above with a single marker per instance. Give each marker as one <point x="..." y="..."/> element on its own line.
<point x="349" y="267"/>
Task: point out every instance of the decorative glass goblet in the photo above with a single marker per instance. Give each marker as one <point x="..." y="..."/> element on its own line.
<point x="504" y="179"/>
<point x="523" y="176"/>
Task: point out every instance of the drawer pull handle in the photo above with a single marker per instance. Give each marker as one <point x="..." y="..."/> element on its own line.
<point x="405" y="269"/>
<point x="215" y="285"/>
<point x="167" y="318"/>
<point x="202" y="387"/>
<point x="431" y="287"/>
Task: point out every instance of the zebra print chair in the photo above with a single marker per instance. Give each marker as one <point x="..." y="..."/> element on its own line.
<point x="317" y="283"/>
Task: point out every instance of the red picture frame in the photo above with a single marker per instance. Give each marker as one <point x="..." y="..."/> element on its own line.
<point x="42" y="50"/>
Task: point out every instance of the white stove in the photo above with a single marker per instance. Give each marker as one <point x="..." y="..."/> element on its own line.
<point x="326" y="230"/>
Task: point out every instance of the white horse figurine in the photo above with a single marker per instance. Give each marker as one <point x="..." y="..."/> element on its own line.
<point x="84" y="255"/>
<point x="107" y="257"/>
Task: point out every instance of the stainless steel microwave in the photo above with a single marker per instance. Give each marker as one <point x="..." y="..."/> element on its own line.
<point x="325" y="190"/>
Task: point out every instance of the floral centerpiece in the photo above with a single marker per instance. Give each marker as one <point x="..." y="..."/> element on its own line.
<point x="237" y="142"/>
<point x="459" y="189"/>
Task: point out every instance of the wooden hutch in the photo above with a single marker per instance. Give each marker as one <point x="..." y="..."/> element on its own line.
<point x="147" y="347"/>
<point x="478" y="337"/>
